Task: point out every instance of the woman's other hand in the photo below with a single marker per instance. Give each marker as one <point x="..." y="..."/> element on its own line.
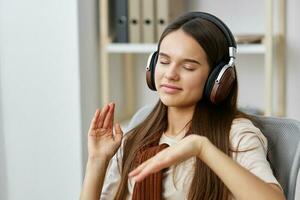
<point x="188" y="147"/>
<point x="102" y="143"/>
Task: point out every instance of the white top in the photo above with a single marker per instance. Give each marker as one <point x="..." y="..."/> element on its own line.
<point x="243" y="136"/>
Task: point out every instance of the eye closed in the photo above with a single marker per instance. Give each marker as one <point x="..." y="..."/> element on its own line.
<point x="184" y="66"/>
<point x="189" y="68"/>
<point x="164" y="61"/>
<point x="186" y="63"/>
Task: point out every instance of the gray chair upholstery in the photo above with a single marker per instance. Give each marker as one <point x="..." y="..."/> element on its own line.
<point x="139" y="116"/>
<point x="283" y="150"/>
<point x="283" y="146"/>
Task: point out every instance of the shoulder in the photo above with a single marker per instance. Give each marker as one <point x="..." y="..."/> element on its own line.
<point x="243" y="124"/>
<point x="244" y="135"/>
<point x="249" y="149"/>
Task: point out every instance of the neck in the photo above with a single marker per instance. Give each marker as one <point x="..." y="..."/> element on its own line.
<point x="178" y="119"/>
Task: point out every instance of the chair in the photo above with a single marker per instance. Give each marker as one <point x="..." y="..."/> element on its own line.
<point x="283" y="146"/>
<point x="283" y="150"/>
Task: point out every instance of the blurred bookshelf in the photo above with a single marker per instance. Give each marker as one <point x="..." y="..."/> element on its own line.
<point x="271" y="46"/>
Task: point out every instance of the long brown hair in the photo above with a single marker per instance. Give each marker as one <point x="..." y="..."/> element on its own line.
<point x="211" y="121"/>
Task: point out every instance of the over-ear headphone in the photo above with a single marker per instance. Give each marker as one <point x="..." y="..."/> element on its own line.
<point x="222" y="76"/>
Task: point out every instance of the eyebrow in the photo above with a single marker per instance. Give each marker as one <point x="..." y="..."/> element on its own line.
<point x="185" y="60"/>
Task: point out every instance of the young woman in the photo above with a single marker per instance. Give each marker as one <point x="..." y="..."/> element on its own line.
<point x="194" y="144"/>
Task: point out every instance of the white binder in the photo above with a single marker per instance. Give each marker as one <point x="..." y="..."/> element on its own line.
<point x="148" y="15"/>
<point x="135" y="21"/>
<point x="167" y="10"/>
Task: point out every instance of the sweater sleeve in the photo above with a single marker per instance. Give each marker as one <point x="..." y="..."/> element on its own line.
<point x="249" y="148"/>
<point x="112" y="177"/>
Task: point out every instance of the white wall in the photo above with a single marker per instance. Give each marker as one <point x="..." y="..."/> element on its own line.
<point x="49" y="88"/>
<point x="89" y="66"/>
<point x="293" y="59"/>
<point x="3" y="174"/>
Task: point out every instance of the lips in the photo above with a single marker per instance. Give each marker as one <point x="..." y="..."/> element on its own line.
<point x="170" y="88"/>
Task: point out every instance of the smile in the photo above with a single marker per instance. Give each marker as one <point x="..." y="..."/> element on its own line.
<point x="170" y="88"/>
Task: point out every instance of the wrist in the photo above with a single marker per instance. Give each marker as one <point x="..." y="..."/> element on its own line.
<point x="202" y="144"/>
<point x="98" y="161"/>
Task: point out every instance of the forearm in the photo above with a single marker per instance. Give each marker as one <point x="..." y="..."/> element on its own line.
<point x="94" y="178"/>
<point x="242" y="184"/>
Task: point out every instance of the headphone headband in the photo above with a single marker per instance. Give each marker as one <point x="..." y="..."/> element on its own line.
<point x="225" y="30"/>
<point x="220" y="24"/>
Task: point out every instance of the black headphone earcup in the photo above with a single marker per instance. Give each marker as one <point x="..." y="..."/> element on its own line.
<point x="150" y="70"/>
<point x="217" y="91"/>
<point x="212" y="79"/>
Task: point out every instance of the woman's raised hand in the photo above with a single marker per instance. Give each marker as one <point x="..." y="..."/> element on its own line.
<point x="102" y="142"/>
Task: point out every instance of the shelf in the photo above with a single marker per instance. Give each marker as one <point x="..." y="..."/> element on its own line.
<point x="267" y="49"/>
<point x="148" y="48"/>
<point x="251" y="49"/>
<point x="131" y="48"/>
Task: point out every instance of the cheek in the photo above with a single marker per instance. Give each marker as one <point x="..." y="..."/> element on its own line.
<point x="157" y="76"/>
<point x="196" y="87"/>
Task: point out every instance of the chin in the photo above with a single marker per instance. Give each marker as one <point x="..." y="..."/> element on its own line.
<point x="169" y="101"/>
<point x="176" y="102"/>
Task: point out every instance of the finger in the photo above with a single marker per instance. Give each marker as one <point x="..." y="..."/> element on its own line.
<point x="150" y="168"/>
<point x="94" y="120"/>
<point x="111" y="122"/>
<point x="108" y="117"/>
<point x="102" y="116"/>
<point x="138" y="170"/>
<point x="159" y="161"/>
<point x="119" y="132"/>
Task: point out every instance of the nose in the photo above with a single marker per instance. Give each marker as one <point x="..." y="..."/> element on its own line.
<point x="171" y="73"/>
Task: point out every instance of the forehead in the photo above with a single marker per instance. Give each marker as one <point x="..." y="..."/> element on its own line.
<point x="180" y="44"/>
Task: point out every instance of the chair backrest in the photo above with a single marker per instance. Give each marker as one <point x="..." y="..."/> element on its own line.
<point x="283" y="150"/>
<point x="283" y="146"/>
<point x="139" y="116"/>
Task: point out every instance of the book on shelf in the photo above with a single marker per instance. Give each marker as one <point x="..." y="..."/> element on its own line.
<point x="134" y="21"/>
<point x="148" y="16"/>
<point x="249" y="38"/>
<point x="121" y="21"/>
<point x="166" y="11"/>
<point x="141" y="21"/>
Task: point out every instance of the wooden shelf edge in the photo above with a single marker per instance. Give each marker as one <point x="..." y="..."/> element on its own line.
<point x="148" y="48"/>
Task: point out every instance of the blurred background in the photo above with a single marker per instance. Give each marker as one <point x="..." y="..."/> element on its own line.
<point x="60" y="60"/>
